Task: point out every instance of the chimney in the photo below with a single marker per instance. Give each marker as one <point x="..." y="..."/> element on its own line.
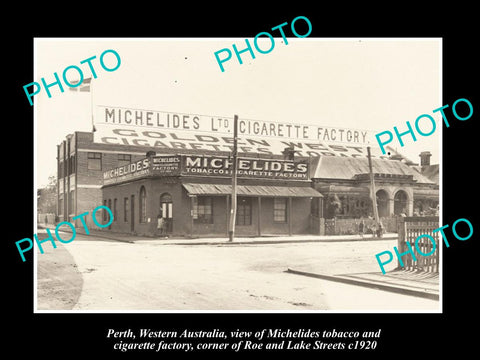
<point x="425" y="158"/>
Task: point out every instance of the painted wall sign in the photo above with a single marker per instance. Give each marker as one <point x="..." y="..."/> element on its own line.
<point x="127" y="172"/>
<point x="165" y="130"/>
<point x="253" y="168"/>
<point x="199" y="165"/>
<point x="166" y="165"/>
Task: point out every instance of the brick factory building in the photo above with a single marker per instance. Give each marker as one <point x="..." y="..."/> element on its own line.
<point x="190" y="189"/>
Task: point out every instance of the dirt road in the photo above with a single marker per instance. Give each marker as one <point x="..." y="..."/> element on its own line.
<point x="88" y="274"/>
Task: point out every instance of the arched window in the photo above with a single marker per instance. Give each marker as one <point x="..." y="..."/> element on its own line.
<point x="143" y="205"/>
<point x="400" y="203"/>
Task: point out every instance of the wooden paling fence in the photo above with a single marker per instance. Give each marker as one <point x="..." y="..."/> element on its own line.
<point x="409" y="229"/>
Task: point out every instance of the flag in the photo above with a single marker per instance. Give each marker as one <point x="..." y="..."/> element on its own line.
<point x="84" y="87"/>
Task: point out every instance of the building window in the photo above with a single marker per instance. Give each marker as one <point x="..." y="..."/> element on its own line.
<point x="94" y="161"/>
<point x="124" y="159"/>
<point x="71" y="199"/>
<point x="280" y="210"/>
<point x="400" y="203"/>
<point x="125" y="209"/>
<point x="202" y="210"/>
<point x="60" y="205"/>
<point x="244" y="211"/>
<point x="143" y="205"/>
<point x="60" y="169"/>
<point x="114" y="209"/>
<point x="71" y="165"/>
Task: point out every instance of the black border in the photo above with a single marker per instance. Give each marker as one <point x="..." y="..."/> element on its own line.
<point x="402" y="334"/>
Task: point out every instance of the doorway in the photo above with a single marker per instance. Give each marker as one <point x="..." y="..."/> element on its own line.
<point x="166" y="210"/>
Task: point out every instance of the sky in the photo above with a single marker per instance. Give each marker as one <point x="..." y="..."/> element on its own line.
<point x="371" y="84"/>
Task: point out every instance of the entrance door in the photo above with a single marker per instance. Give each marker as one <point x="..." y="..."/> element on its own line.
<point x="132" y="213"/>
<point x="166" y="209"/>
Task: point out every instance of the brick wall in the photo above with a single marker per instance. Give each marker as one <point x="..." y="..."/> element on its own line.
<point x="87" y="200"/>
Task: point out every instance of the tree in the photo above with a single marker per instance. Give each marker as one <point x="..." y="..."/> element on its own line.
<point x="333" y="206"/>
<point x="47" y="197"/>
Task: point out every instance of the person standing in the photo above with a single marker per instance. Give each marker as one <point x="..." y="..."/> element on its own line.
<point x="160" y="225"/>
<point x="380" y="230"/>
<point x="361" y="228"/>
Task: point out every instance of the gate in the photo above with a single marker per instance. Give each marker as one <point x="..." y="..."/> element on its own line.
<point x="409" y="228"/>
<point x="330" y="226"/>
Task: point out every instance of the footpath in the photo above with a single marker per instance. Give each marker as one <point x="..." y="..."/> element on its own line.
<point x="264" y="239"/>
<point x="414" y="283"/>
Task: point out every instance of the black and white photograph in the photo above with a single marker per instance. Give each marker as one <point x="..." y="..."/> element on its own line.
<point x="247" y="189"/>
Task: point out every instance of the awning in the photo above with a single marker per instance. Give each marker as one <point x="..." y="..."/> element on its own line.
<point x="251" y="190"/>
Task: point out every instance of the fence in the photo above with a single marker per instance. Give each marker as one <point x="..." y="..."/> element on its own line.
<point x="409" y="228"/>
<point x="345" y="226"/>
<point x="46" y="218"/>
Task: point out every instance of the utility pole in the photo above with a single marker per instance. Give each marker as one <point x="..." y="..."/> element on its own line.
<point x="372" y="187"/>
<point x="233" y="209"/>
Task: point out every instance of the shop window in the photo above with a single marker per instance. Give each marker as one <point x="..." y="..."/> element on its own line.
<point x="202" y="210"/>
<point x="143" y="205"/>
<point x="125" y="209"/>
<point x="94" y="161"/>
<point x="114" y="209"/>
<point x="280" y="210"/>
<point x="244" y="211"/>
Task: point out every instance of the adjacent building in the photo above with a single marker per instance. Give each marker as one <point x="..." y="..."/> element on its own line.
<point x="345" y="183"/>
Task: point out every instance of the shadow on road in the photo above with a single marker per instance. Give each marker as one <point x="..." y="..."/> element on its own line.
<point x="59" y="283"/>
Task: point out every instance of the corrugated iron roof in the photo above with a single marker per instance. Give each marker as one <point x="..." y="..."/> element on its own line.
<point x="335" y="167"/>
<point x="251" y="190"/>
<point x="431" y="172"/>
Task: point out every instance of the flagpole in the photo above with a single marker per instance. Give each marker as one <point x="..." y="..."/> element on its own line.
<point x="91" y="104"/>
<point x="233" y="209"/>
<point x="372" y="185"/>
